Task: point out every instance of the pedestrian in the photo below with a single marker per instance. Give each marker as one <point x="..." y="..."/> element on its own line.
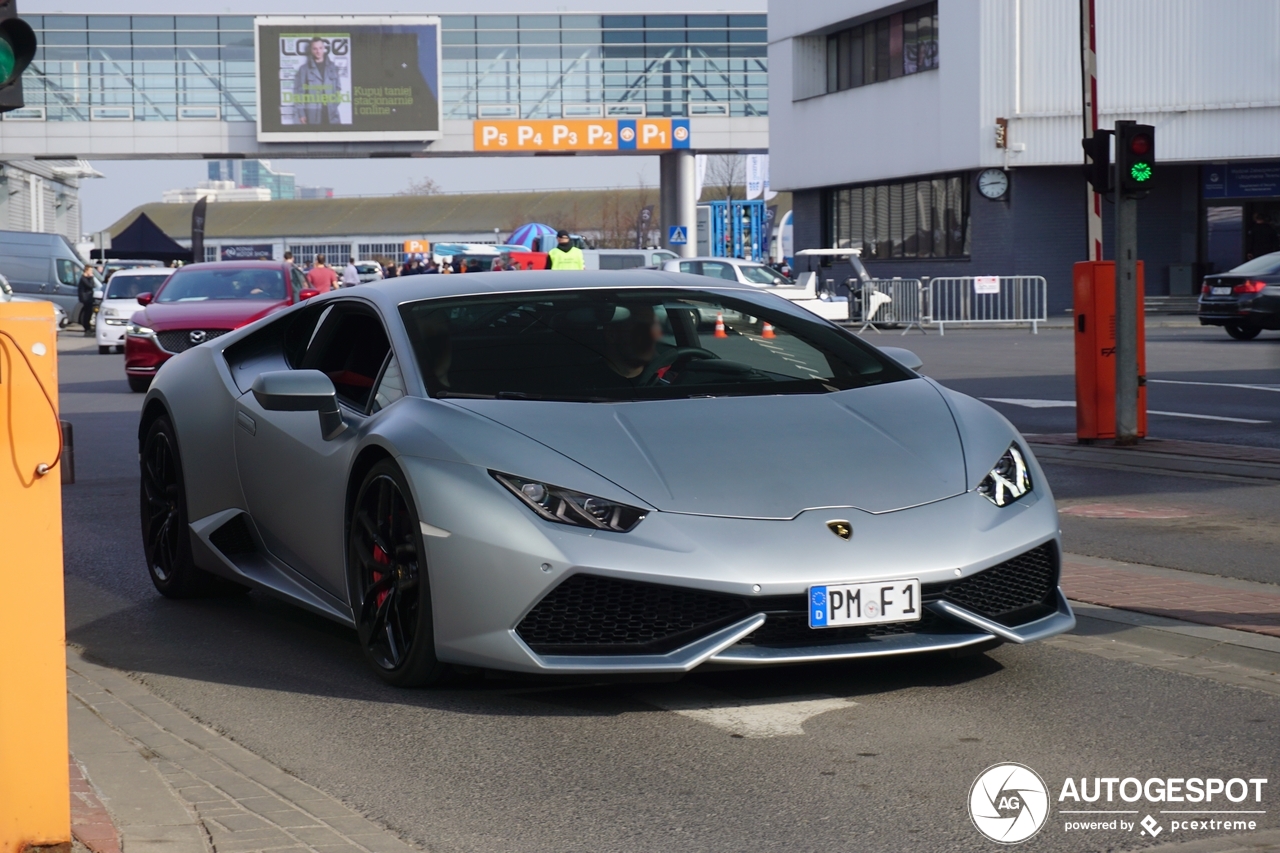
<point x="350" y="275"/>
<point x="321" y="277"/>
<point x="497" y="266"/>
<point x="564" y="255"/>
<point x="410" y="266"/>
<point x="430" y="267"/>
<point x="1262" y="236"/>
<point x="288" y="259"/>
<point x="84" y="290"/>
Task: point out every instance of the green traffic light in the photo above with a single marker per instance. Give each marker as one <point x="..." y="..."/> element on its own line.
<point x="7" y="60"/>
<point x="1140" y="172"/>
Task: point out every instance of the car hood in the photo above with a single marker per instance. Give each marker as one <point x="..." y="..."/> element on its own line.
<point x="215" y="314"/>
<point x="876" y="449"/>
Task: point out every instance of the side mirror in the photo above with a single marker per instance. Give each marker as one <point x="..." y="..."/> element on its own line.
<point x="145" y="298"/>
<point x="905" y="357"/>
<point x="301" y="391"/>
<point x="307" y="293"/>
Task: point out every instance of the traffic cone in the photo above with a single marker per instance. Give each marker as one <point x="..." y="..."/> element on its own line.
<point x="767" y="331"/>
<point x="720" y="332"/>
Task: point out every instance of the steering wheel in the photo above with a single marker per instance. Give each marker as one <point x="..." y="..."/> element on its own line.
<point x="674" y="360"/>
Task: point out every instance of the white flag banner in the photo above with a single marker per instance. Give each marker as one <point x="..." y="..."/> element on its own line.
<point x="700" y="170"/>
<point x="756" y="165"/>
<point x="769" y="195"/>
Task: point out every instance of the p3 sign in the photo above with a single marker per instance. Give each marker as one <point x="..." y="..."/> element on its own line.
<point x="659" y="134"/>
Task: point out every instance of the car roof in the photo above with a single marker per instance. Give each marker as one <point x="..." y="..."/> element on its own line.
<point x="414" y="288"/>
<point x="128" y="271"/>
<point x="724" y="260"/>
<point x="235" y="265"/>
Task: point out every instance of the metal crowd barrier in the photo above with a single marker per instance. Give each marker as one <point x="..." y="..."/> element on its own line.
<point x="888" y="302"/>
<point x="973" y="300"/>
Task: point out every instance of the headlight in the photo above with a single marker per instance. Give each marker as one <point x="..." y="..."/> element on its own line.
<point x="111" y="312"/>
<point x="141" y="331"/>
<point x="1008" y="481"/>
<point x="565" y="506"/>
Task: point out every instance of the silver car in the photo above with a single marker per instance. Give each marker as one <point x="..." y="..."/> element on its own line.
<point x="568" y="473"/>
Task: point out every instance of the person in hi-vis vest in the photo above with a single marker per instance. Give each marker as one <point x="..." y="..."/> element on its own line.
<point x="564" y="255"/>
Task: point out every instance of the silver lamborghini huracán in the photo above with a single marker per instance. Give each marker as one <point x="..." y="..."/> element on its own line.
<point x="619" y="472"/>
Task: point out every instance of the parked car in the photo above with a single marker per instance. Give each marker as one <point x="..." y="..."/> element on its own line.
<point x="625" y="259"/>
<point x="43" y="266"/>
<point x="111" y="267"/>
<point x="535" y="480"/>
<point x="368" y="271"/>
<point x="120" y="302"/>
<point x="1245" y="300"/>
<point x="729" y="269"/>
<point x="7" y="295"/>
<point x="200" y="302"/>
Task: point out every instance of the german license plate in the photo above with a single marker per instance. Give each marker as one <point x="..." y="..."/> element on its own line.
<point x="837" y="605"/>
<point x="1221" y="291"/>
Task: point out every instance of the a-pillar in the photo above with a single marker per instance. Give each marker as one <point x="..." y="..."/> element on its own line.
<point x="678" y="200"/>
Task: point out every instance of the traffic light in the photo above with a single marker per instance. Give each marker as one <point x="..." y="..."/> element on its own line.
<point x="1135" y="157"/>
<point x="1098" y="170"/>
<point x="17" y="49"/>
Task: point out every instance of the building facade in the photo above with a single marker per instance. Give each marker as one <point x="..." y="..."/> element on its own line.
<point x="882" y="119"/>
<point x="42" y="195"/>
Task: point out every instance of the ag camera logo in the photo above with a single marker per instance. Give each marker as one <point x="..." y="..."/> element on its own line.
<point x="1008" y="803"/>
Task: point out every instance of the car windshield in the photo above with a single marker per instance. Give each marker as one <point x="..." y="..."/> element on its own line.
<point x="129" y="286"/>
<point x="198" y="285"/>
<point x="643" y="344"/>
<point x="1262" y="265"/>
<point x="757" y="274"/>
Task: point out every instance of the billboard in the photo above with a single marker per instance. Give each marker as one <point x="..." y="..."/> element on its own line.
<point x="348" y="79"/>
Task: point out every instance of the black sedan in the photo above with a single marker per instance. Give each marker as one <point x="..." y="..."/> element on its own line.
<point x="1244" y="300"/>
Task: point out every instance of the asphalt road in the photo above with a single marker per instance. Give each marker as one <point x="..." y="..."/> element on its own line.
<point x="535" y="765"/>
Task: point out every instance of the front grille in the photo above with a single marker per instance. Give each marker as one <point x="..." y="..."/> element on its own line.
<point x="593" y="615"/>
<point x="1012" y="592"/>
<point x="179" y="340"/>
<point x="590" y="615"/>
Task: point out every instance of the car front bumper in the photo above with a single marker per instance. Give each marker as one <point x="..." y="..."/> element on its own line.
<point x="492" y="562"/>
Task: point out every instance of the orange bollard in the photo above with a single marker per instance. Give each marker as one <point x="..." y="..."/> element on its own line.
<point x="720" y="332"/>
<point x="35" y="802"/>
<point x="767" y="331"/>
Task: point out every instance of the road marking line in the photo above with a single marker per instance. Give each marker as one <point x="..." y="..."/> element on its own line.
<point x="1070" y="404"/>
<point x="1273" y="388"/>
<point x="748" y="718"/>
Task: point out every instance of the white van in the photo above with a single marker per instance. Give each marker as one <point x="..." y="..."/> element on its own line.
<point x="120" y="301"/>
<point x="625" y="259"/>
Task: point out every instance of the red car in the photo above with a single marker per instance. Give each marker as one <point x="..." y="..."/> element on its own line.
<point x="200" y="302"/>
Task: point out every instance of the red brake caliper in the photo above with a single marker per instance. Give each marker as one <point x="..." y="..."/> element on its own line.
<point x="381" y="558"/>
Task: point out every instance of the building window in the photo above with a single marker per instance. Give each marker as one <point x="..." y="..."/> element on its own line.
<point x="394" y="251"/>
<point x="888" y="47"/>
<point x="926" y="218"/>
<point x="335" y="254"/>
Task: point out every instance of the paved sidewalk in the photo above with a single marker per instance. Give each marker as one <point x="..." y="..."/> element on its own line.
<point x="173" y="785"/>
<point x="1188" y="596"/>
<point x="1191" y="457"/>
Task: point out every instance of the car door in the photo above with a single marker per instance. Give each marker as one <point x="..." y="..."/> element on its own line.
<point x="293" y="480"/>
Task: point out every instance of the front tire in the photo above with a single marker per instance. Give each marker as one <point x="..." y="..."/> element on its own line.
<point x="1242" y="333"/>
<point x="166" y="541"/>
<point x="390" y="592"/>
<point x="103" y="350"/>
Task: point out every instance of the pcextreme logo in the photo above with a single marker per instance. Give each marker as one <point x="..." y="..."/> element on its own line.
<point x="1008" y="803"/>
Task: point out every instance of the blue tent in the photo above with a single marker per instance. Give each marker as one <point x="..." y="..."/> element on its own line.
<point x="531" y="235"/>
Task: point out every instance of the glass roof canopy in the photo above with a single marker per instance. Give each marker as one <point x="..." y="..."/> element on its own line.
<point x="186" y="67"/>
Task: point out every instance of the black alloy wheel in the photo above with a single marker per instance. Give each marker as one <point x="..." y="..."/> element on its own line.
<point x="1242" y="333"/>
<point x="165" y="538"/>
<point x="390" y="594"/>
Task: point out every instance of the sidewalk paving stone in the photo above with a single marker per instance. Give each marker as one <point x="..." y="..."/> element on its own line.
<point x="171" y="784"/>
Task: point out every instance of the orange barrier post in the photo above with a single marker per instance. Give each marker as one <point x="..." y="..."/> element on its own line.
<point x="720" y="332"/>
<point x="767" y="331"/>
<point x="1095" y="316"/>
<point x="34" y="786"/>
